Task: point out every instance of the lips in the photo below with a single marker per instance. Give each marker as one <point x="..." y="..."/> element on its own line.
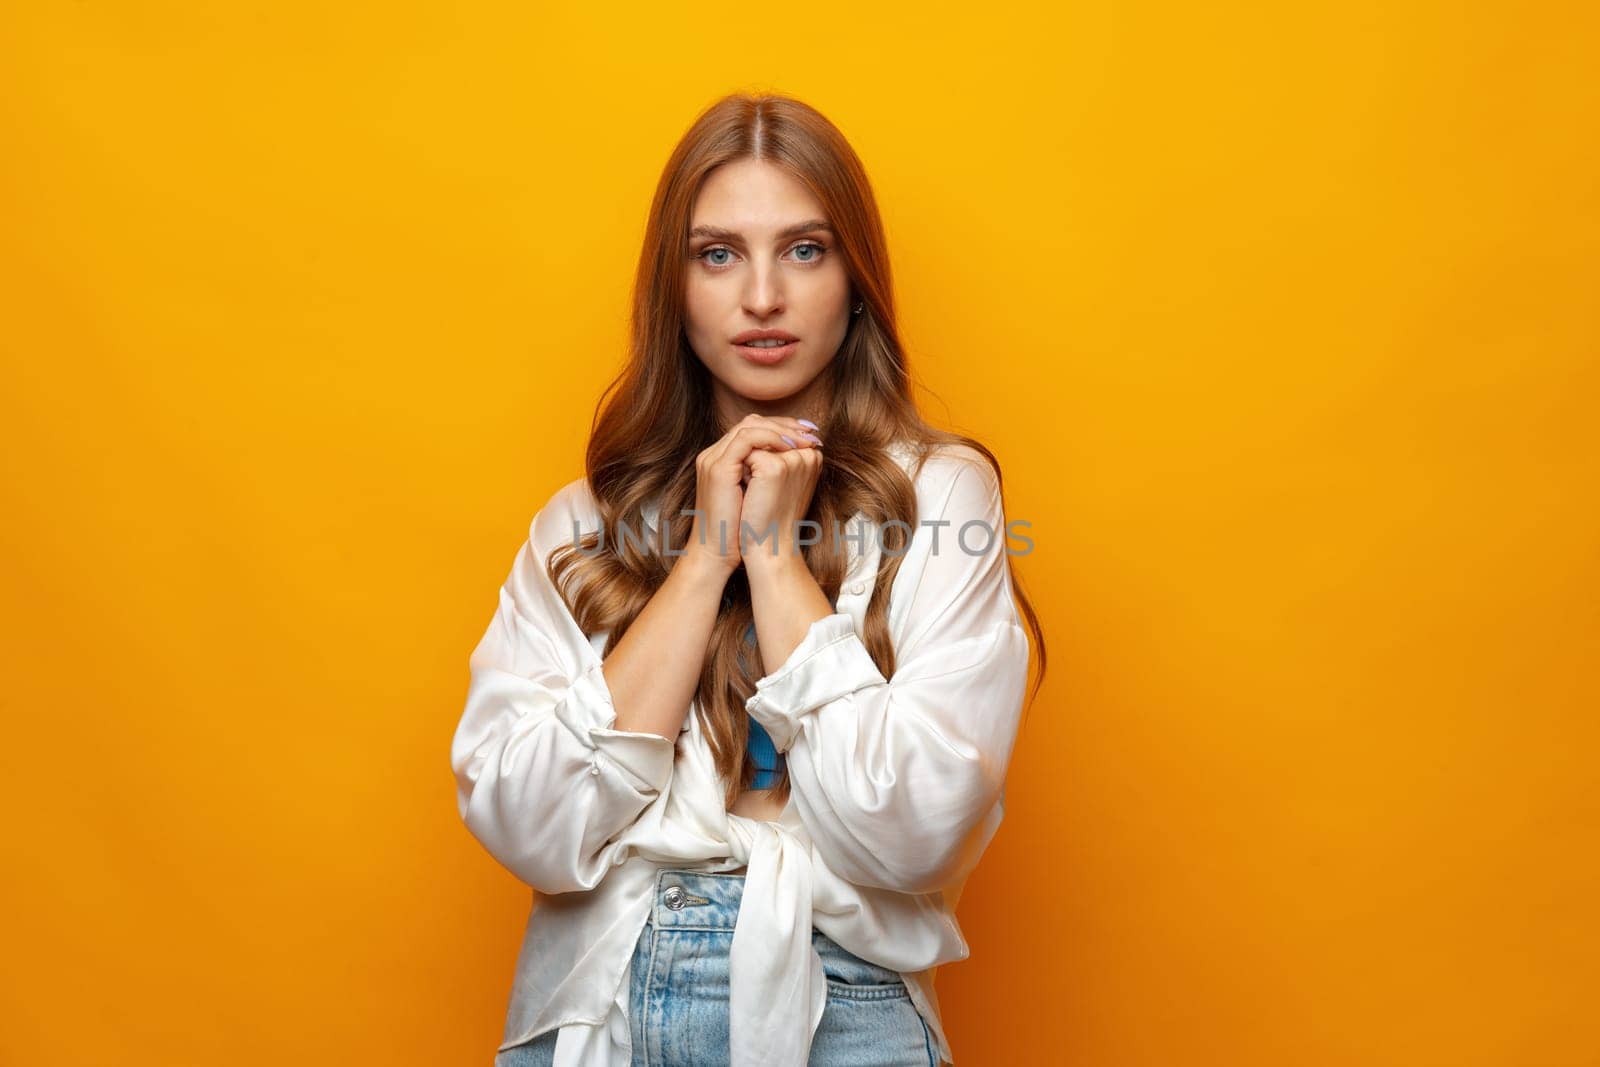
<point x="765" y="335"/>
<point x="767" y="356"/>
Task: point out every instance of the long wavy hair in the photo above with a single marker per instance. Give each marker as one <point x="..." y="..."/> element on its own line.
<point x="657" y="415"/>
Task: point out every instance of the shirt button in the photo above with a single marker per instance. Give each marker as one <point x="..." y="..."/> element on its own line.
<point x="594" y="766"/>
<point x="858" y="589"/>
<point x="674" y="897"/>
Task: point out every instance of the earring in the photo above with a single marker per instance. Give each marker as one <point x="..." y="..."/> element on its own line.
<point x="859" y="306"/>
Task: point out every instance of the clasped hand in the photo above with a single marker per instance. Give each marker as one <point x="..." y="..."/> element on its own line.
<point x="756" y="481"/>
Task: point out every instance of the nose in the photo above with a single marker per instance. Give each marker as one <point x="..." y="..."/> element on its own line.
<point x="763" y="294"/>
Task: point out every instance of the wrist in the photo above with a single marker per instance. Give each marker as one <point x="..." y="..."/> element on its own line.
<point x="761" y="562"/>
<point x="703" y="568"/>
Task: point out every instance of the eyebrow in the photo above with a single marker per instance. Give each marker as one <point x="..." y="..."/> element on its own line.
<point x="808" y="226"/>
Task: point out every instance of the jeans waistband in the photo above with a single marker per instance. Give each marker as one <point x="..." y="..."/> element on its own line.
<point x="709" y="900"/>
<point x="701" y="900"/>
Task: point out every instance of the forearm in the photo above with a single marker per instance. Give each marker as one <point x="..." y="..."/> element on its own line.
<point x="653" y="671"/>
<point x="786" y="600"/>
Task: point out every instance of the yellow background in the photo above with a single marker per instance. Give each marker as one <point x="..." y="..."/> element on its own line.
<point x="1281" y="319"/>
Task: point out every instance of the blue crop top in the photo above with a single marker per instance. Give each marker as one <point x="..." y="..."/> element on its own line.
<point x="768" y="760"/>
<point x="766" y="757"/>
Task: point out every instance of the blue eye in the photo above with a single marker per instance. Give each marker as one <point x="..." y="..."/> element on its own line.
<point x="706" y="254"/>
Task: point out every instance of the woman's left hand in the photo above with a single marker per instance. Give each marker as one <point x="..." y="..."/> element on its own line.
<point x="777" y="495"/>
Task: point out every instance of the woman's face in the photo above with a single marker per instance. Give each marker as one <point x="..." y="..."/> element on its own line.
<point x="762" y="258"/>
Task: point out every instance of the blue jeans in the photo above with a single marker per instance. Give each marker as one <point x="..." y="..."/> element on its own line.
<point x="678" y="998"/>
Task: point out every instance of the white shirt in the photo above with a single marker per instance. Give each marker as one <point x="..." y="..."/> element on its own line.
<point x="896" y="784"/>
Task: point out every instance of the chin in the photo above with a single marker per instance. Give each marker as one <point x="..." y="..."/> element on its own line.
<point x="742" y="376"/>
<point x="768" y="389"/>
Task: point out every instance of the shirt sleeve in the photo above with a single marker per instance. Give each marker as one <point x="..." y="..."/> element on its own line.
<point x="900" y="781"/>
<point x="543" y="779"/>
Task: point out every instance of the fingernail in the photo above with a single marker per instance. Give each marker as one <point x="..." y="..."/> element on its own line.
<point x="787" y="439"/>
<point x="807" y="423"/>
<point x="813" y="438"/>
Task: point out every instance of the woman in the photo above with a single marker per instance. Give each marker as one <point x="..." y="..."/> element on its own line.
<point x="744" y="714"/>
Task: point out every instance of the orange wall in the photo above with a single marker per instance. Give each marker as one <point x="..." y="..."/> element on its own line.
<point x="1282" y="321"/>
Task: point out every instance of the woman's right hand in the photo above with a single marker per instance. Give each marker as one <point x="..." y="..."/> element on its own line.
<point x="719" y="484"/>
